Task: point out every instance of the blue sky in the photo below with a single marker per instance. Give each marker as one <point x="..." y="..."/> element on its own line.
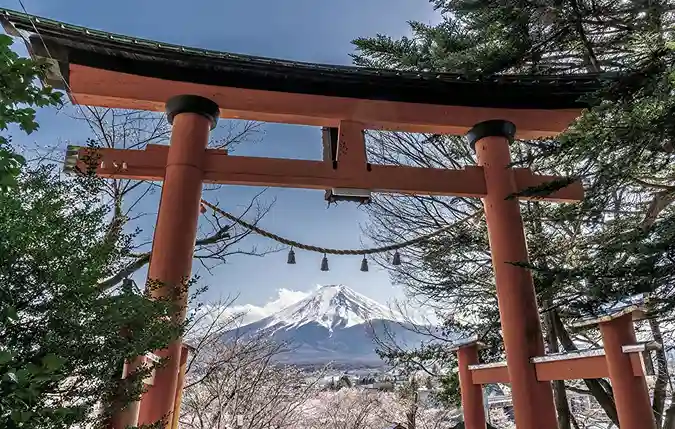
<point x="305" y="30"/>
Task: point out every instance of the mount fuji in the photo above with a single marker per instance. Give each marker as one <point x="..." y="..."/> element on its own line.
<point x="334" y="324"/>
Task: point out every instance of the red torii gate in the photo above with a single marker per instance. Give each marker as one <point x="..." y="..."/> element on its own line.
<point x="195" y="87"/>
<point x="186" y="163"/>
<point x="621" y="359"/>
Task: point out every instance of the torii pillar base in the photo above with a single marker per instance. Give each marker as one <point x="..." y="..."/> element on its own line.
<point x="521" y="328"/>
<point x="173" y="245"/>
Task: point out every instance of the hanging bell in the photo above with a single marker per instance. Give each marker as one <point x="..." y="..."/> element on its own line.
<point x="291" y="257"/>
<point x="397" y="259"/>
<point x="127" y="286"/>
<point x="364" y="264"/>
<point x="324" y="263"/>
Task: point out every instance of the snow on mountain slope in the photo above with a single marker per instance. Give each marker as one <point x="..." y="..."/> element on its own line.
<point x="334" y="323"/>
<point x="331" y="306"/>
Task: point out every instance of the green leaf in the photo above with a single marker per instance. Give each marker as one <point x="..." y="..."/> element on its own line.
<point x="52" y="362"/>
<point x="11" y="376"/>
<point x="5" y="41"/>
<point x="5" y="357"/>
<point x="20" y="416"/>
<point x="31" y="369"/>
<point x="11" y="314"/>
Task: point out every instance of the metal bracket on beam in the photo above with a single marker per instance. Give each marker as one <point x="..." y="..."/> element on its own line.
<point x="361" y="196"/>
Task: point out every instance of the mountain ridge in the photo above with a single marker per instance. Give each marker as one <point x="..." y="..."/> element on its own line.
<point x="334" y="307"/>
<point x="334" y="323"/>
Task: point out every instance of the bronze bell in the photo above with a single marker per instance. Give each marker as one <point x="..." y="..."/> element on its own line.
<point x="324" y="263"/>
<point x="127" y="286"/>
<point x="364" y="264"/>
<point x="397" y="259"/>
<point x="291" y="257"/>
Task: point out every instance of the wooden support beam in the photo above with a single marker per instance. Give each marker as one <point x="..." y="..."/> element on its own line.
<point x="571" y="366"/>
<point x="526" y="179"/>
<point x="147" y="164"/>
<point x="351" y="150"/>
<point x="579" y="365"/>
<point x="219" y="167"/>
<point x="586" y="364"/>
<point x="97" y="87"/>
<point x="489" y="373"/>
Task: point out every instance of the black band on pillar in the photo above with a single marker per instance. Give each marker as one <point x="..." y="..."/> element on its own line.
<point x="491" y="128"/>
<point x="192" y="104"/>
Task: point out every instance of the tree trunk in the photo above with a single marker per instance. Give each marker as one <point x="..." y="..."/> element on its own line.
<point x="411" y="415"/>
<point x="559" y="392"/>
<point x="602" y="395"/>
<point x="661" y="373"/>
<point x="669" y="422"/>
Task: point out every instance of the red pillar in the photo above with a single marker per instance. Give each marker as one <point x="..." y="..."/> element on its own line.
<point x="178" y="398"/>
<point x="631" y="396"/>
<point x="129" y="415"/>
<point x="192" y="118"/>
<point x="472" y="394"/>
<point x="532" y="400"/>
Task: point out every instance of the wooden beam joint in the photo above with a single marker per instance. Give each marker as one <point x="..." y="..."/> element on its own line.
<point x="351" y="151"/>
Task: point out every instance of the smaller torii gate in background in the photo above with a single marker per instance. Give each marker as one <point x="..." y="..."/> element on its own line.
<point x="196" y="86"/>
<point x="621" y="359"/>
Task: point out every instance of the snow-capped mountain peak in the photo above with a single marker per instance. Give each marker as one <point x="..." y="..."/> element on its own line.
<point x="332" y="324"/>
<point x="333" y="307"/>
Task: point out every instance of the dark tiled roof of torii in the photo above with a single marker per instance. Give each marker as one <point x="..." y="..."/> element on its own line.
<point x="71" y="44"/>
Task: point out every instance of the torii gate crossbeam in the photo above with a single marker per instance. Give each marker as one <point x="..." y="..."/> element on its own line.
<point x="350" y="172"/>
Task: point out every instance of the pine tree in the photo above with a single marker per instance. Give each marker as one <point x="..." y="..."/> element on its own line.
<point x="618" y="242"/>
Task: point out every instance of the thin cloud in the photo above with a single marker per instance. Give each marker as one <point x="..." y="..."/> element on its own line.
<point x="252" y="313"/>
